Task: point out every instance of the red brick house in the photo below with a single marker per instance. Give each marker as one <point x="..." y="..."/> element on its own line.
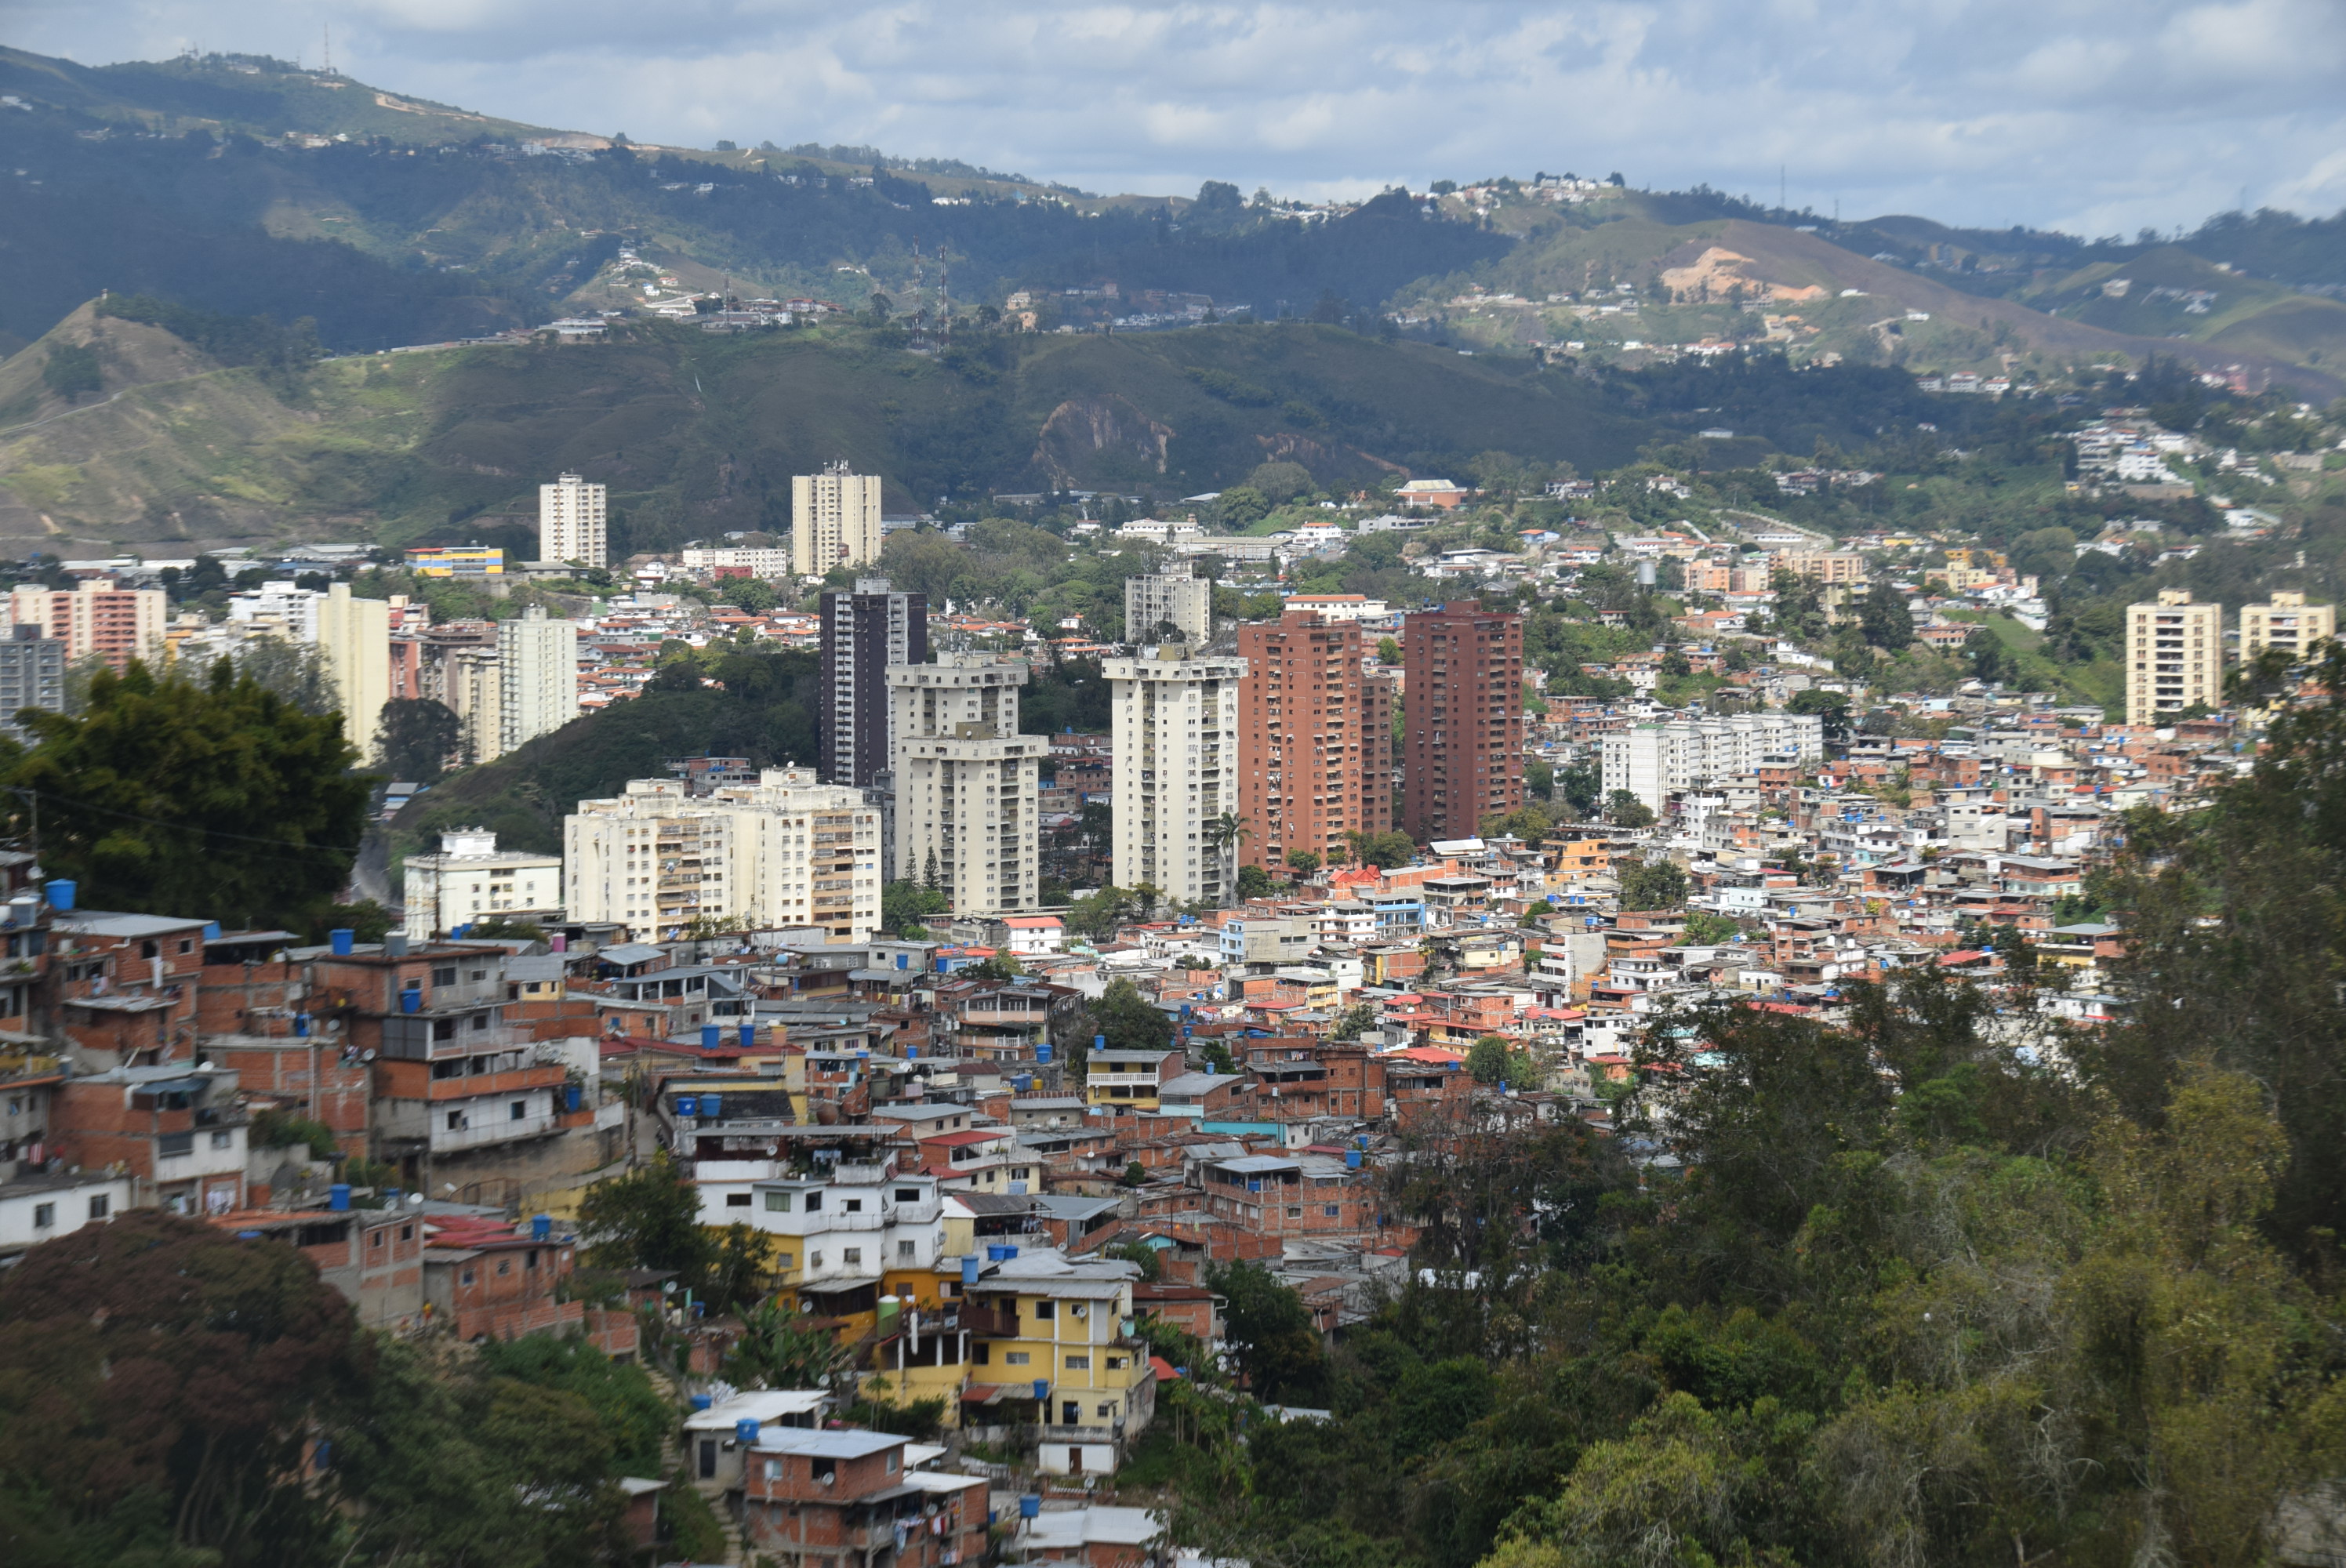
<point x="846" y="1500"/>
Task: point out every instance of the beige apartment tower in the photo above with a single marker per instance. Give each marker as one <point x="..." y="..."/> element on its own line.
<point x="2287" y="623"/>
<point x="572" y="523"/>
<point x="537" y="676"/>
<point x="2175" y="658"/>
<point x="1172" y="597"/>
<point x="354" y="642"/>
<point x="835" y="520"/>
<point x="1175" y="721"/>
<point x="966" y="782"/>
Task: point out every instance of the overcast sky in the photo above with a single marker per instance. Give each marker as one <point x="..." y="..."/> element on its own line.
<point x="2092" y="116"/>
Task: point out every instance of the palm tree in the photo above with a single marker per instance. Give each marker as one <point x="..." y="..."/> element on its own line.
<point x="1226" y="833"/>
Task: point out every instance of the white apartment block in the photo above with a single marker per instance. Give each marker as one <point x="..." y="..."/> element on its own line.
<point x="1171" y="597"/>
<point x="1655" y="761"/>
<point x="2287" y="623"/>
<point x="2174" y="656"/>
<point x="280" y="607"/>
<point x="835" y="520"/>
<point x="469" y="881"/>
<point x="784" y="851"/>
<point x="572" y="523"/>
<point x="759" y="561"/>
<point x="1176" y="726"/>
<point x="354" y="642"/>
<point x="537" y="676"/>
<point x="966" y="782"/>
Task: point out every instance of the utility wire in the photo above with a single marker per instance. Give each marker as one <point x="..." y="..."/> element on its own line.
<point x="81" y="804"/>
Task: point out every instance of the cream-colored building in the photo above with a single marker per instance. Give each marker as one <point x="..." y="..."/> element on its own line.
<point x="2287" y="623"/>
<point x="537" y="676"/>
<point x="784" y="851"/>
<point x="1175" y="722"/>
<point x="2175" y="658"/>
<point x="1172" y="597"/>
<point x="966" y="782"/>
<point x="835" y="520"/>
<point x="572" y="523"/>
<point x="468" y="881"/>
<point x="354" y="642"/>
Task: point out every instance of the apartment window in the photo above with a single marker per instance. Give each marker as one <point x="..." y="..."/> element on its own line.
<point x="890" y="1467"/>
<point x="406" y="1233"/>
<point x="1295" y="1211"/>
<point x="785" y="1260"/>
<point x="504" y="1266"/>
<point x="815" y="1202"/>
<point x="465" y="1278"/>
<point x="220" y="1140"/>
<point x="1047" y="1308"/>
<point x="737" y="1200"/>
<point x="908" y="1194"/>
<point x="1329" y="1210"/>
<point x="444" y="976"/>
<point x="517" y="1110"/>
<point x="1079" y="1363"/>
<point x="455" y="1121"/>
<point x="851" y="1257"/>
<point x="822" y="1469"/>
<point x="773" y="1470"/>
<point x="1016" y="1359"/>
<point x="1116" y="1363"/>
<point x="101" y="1206"/>
<point x="187" y="944"/>
<point x="1070" y="1412"/>
<point x="814" y="1260"/>
<point x="852" y="1204"/>
<point x="778" y="1202"/>
<point x="45" y="1216"/>
<point x="906" y="1251"/>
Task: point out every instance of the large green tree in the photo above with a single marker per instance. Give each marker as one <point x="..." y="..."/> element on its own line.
<point x="416" y="736"/>
<point x="172" y="796"/>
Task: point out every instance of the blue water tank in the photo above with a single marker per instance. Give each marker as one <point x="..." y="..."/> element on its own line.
<point x="1352" y="1159"/>
<point x="687" y="1105"/>
<point x="211" y="930"/>
<point x="541" y="1226"/>
<point x="1099" y="1042"/>
<point x="749" y="1037"/>
<point x="300" y="1025"/>
<point x="912" y="1053"/>
<point x="338" y="1196"/>
<point x="711" y="1036"/>
<point x="745" y="1432"/>
<point x="701" y="1402"/>
<point x="1042" y="1388"/>
<point x="1009" y="1252"/>
<point x="1042" y="1051"/>
<point x="969" y="1267"/>
<point x="713" y="1106"/>
<point x="1030" y="1504"/>
<point x="904" y="961"/>
<point x="61" y="895"/>
<point x="412" y="999"/>
<point x="570" y="1097"/>
<point x="342" y="939"/>
<point x="1362" y="1138"/>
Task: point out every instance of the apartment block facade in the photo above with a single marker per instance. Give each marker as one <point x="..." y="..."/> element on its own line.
<point x="354" y="642"/>
<point x="116" y="624"/>
<point x="2175" y="658"/>
<point x="32" y="675"/>
<point x="967" y="782"/>
<point x="1175" y="719"/>
<point x="835" y="520"/>
<point x="537" y="676"/>
<point x="1315" y="738"/>
<point x="2287" y="623"/>
<point x="865" y="633"/>
<point x="1462" y="746"/>
<point x="1173" y="597"/>
<point x="1655" y="761"/>
<point x="573" y="523"/>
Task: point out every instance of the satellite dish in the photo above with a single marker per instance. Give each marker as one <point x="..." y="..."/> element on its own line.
<point x="415" y="1200"/>
<point x="366" y="1055"/>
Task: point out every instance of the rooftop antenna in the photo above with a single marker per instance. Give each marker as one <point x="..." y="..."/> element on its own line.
<point x="329" y="67"/>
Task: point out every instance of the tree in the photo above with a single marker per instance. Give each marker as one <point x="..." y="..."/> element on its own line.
<point x="1653" y="885"/>
<point x="1270" y="1334"/>
<point x="1097" y="914"/>
<point x="1831" y="706"/>
<point x="1254" y="882"/>
<point x="1539" y="779"/>
<point x="1357" y="1020"/>
<point x="1884" y="618"/>
<point x="649" y="1218"/>
<point x="1002" y="968"/>
<point x="1129" y="1021"/>
<point x="1242" y="506"/>
<point x="1581" y="787"/>
<point x="754" y="594"/>
<point x="168" y="797"/>
<point x="1303" y="862"/>
<point x="1990" y="661"/>
<point x="904" y="906"/>
<point x="1624" y="809"/>
<point x="415" y="738"/>
<point x="1382" y="850"/>
<point x="70" y="370"/>
<point x="294" y="671"/>
<point x="1225" y="834"/>
<point x="774" y="1352"/>
<point x="1494" y="1060"/>
<point x="504" y="927"/>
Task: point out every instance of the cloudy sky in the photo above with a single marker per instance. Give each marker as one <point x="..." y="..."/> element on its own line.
<point x="2093" y="116"/>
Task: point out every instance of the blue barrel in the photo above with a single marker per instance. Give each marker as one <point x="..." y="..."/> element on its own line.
<point x="338" y="1196"/>
<point x="61" y="895"/>
<point x="702" y="1402"/>
<point x="749" y="1037"/>
<point x="1030" y="1506"/>
<point x="570" y="1097"/>
<point x="710" y="1106"/>
<point x="412" y="999"/>
<point x="211" y="930"/>
<point x="687" y="1105"/>
<point x="1042" y="1388"/>
<point x="1041" y="1050"/>
<point x="745" y="1432"/>
<point x="912" y="1053"/>
<point x="1008" y="1253"/>
<point x="1352" y="1159"/>
<point x="969" y="1267"/>
<point x="342" y="939"/>
<point x="993" y="1252"/>
<point x="541" y="1226"/>
<point x="300" y="1025"/>
<point x="711" y="1036"/>
<point x="1099" y="1042"/>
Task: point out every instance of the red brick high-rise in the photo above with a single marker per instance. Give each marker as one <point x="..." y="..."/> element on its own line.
<point x="1462" y="747"/>
<point x="1314" y="740"/>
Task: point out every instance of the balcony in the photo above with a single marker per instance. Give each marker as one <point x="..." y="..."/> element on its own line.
<point x="477" y="1083"/>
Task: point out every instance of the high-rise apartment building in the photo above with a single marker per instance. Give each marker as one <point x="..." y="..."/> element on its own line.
<point x="2287" y="623"/>
<point x="835" y="520"/>
<point x="354" y="642"/>
<point x="1170" y="606"/>
<point x="1463" y="746"/>
<point x="1655" y="761"/>
<point x="865" y="634"/>
<point x="1315" y="742"/>
<point x="32" y="675"/>
<point x="572" y="523"/>
<point x="1175" y="722"/>
<point x="966" y="782"/>
<point x="2174" y="656"/>
<point x="537" y="676"/>
<point x="114" y="623"/>
<point x="787" y="850"/>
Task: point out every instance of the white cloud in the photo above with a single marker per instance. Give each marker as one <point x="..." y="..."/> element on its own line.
<point x="2093" y="115"/>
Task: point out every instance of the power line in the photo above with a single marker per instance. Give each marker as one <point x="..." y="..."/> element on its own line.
<point x="81" y="804"/>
